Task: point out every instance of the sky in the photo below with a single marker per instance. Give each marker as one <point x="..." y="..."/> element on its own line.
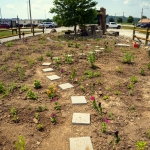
<point x="40" y="8"/>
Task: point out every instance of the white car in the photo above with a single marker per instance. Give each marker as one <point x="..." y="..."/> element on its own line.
<point x="47" y="25"/>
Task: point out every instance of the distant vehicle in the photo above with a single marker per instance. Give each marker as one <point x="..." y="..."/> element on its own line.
<point x="4" y="25"/>
<point x="29" y="25"/>
<point x="146" y="25"/>
<point x="19" y="25"/>
<point x="138" y="25"/>
<point x="47" y="25"/>
<point x="113" y="25"/>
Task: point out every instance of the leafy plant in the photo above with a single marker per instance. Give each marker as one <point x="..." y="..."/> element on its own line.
<point x="91" y="74"/>
<point x="117" y="92"/>
<point x="53" y="118"/>
<point x="77" y="45"/>
<point x="130" y="86"/>
<point x="40" y="127"/>
<point x="119" y="69"/>
<point x="37" y="116"/>
<point x="73" y="74"/>
<point x="91" y="58"/>
<point x="40" y="108"/>
<point x="103" y="127"/>
<point x="105" y="97"/>
<point x="48" y="54"/>
<point x="148" y="65"/>
<point x="40" y="58"/>
<point x="2" y="87"/>
<point x="20" y="145"/>
<point x="57" y="106"/>
<point x="58" y="62"/>
<point x="133" y="79"/>
<point x="13" y="111"/>
<point x="82" y="88"/>
<point x="128" y="57"/>
<point x="141" y="145"/>
<point x="68" y="59"/>
<point x="37" y="84"/>
<point x="51" y="92"/>
<point x="32" y="95"/>
<point x="9" y="44"/>
<point x="24" y="88"/>
<point x="12" y="86"/>
<point x="15" y="119"/>
<point x="108" y="88"/>
<point x="142" y="72"/>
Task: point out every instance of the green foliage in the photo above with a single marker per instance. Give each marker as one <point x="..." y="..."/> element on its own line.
<point x="2" y="87"/>
<point x="148" y="133"/>
<point x="119" y="20"/>
<point x="142" y="72"/>
<point x="9" y="44"/>
<point x="24" y="88"/>
<point x="91" y="74"/>
<point x="20" y="145"/>
<point x="30" y="61"/>
<point x="37" y="84"/>
<point x="111" y="19"/>
<point x="103" y="127"/>
<point x="37" y="116"/>
<point x="117" y="92"/>
<point x="128" y="57"/>
<point x="5" y="69"/>
<point x="13" y="111"/>
<point x="106" y="97"/>
<point x="148" y="65"/>
<point x="130" y="19"/>
<point x="40" y="127"/>
<point x="130" y="86"/>
<point x="15" y="119"/>
<point x="133" y="79"/>
<point x="40" y="58"/>
<point x="141" y="145"/>
<point x="73" y="74"/>
<point x="68" y="59"/>
<point x="77" y="45"/>
<point x="119" y="69"/>
<point x="82" y="88"/>
<point x="57" y="106"/>
<point x="74" y="13"/>
<point x="41" y="108"/>
<point x="110" y="116"/>
<point x="58" y="62"/>
<point x="108" y="88"/>
<point x="48" y="54"/>
<point x="12" y="87"/>
<point x="91" y="58"/>
<point x="32" y="95"/>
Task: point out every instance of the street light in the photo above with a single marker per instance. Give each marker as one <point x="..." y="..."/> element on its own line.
<point x="142" y="13"/>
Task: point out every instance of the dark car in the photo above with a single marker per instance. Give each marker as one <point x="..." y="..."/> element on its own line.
<point x="29" y="25"/>
<point x="4" y="25"/>
<point x="19" y="25"/>
<point x="146" y="25"/>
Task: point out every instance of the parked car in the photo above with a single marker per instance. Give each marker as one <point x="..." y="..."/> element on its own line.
<point x="29" y="25"/>
<point x="146" y="25"/>
<point x="17" y="25"/>
<point x="138" y="25"/>
<point x="47" y="25"/>
<point x="4" y="25"/>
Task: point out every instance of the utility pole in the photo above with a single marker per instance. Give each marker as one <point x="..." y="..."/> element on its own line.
<point x="27" y="11"/>
<point x="123" y="17"/>
<point x="1" y="14"/>
<point x="45" y="15"/>
<point x="30" y="15"/>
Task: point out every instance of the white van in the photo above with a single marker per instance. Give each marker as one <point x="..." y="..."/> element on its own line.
<point x="47" y="25"/>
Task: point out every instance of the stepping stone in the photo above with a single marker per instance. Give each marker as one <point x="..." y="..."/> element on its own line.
<point x="54" y="58"/>
<point x="123" y="45"/>
<point x="69" y="55"/>
<point x="81" y="54"/>
<point x="88" y="44"/>
<point x="65" y="86"/>
<point x="97" y="46"/>
<point x="47" y="69"/>
<point x="90" y="52"/>
<point x="81" y="143"/>
<point x="102" y="48"/>
<point x="78" y="100"/>
<point x="98" y="51"/>
<point x="53" y="77"/>
<point x="81" y="118"/>
<point x="46" y="64"/>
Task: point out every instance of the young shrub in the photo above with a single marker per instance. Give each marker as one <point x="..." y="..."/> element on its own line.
<point x="141" y="145"/>
<point x="91" y="58"/>
<point x="31" y="95"/>
<point x="133" y="79"/>
<point x="142" y="72"/>
<point x="51" y="92"/>
<point x="20" y="145"/>
<point x="128" y="58"/>
<point x="40" y="127"/>
<point x="37" y="84"/>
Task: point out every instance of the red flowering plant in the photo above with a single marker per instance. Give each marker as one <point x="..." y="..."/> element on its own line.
<point x="53" y="118"/>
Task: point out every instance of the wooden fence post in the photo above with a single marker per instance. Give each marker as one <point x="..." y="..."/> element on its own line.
<point x="147" y="36"/>
<point x="33" y="29"/>
<point x="133" y="33"/>
<point x="19" y="32"/>
<point x="43" y="29"/>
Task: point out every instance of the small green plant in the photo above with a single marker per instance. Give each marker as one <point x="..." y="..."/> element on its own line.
<point x="77" y="45"/>
<point x="141" y="145"/>
<point x="29" y="107"/>
<point x="57" y="106"/>
<point x="2" y="87"/>
<point x="48" y="54"/>
<point x="37" y="84"/>
<point x="40" y="58"/>
<point x="17" y="56"/>
<point x="40" y="127"/>
<point x="13" y="111"/>
<point x="148" y="65"/>
<point x="40" y="108"/>
<point x="53" y="118"/>
<point x="68" y="59"/>
<point x="31" y="95"/>
<point x="5" y="69"/>
<point x="133" y="79"/>
<point x="51" y="92"/>
<point x="9" y="44"/>
<point x="21" y="73"/>
<point x="30" y="61"/>
<point x="12" y="86"/>
<point x="132" y="108"/>
<point x="24" y="88"/>
<point x="108" y="88"/>
<point x="130" y="86"/>
<point x="117" y="92"/>
<point x="57" y="62"/>
<point x="106" y="97"/>
<point x="20" y="145"/>
<point x="73" y="74"/>
<point x="99" y="81"/>
<point x="15" y="119"/>
<point x="128" y="57"/>
<point x="91" y="74"/>
<point x="117" y="140"/>
<point x="148" y="134"/>
<point x="82" y="88"/>
<point x="131" y="92"/>
<point x="119" y="69"/>
<point x="91" y="58"/>
<point x="142" y="72"/>
<point x="37" y="116"/>
<point x="110" y="116"/>
<point x="103" y="127"/>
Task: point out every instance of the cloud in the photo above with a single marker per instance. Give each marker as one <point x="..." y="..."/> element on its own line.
<point x="10" y="6"/>
<point x="131" y="2"/>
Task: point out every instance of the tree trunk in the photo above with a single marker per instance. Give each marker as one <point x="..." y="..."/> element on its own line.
<point x="75" y="28"/>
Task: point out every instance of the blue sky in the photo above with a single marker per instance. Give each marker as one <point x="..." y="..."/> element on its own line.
<point x="40" y="8"/>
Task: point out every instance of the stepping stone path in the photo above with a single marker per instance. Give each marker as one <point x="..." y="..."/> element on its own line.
<point x="47" y="69"/>
<point x="78" y="100"/>
<point x="53" y="77"/>
<point x="46" y="64"/>
<point x="80" y="143"/>
<point x="97" y="46"/>
<point x="65" y="86"/>
<point x="77" y="143"/>
<point x="81" y="118"/>
<point x="123" y="45"/>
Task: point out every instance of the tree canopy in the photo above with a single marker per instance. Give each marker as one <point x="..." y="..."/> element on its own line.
<point x="144" y="17"/>
<point x="111" y="19"/>
<point x="119" y="20"/>
<point x="130" y="19"/>
<point x="74" y="12"/>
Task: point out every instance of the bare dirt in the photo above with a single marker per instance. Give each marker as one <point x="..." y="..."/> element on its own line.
<point x="128" y="112"/>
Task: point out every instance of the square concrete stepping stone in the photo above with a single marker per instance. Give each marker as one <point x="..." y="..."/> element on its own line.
<point x="97" y="46"/>
<point x="47" y="69"/>
<point x="81" y="143"/>
<point x="81" y="118"/>
<point x="123" y="45"/>
<point x="90" y="52"/>
<point x="53" y="77"/>
<point x="46" y="64"/>
<point x="102" y="48"/>
<point x="98" y="51"/>
<point x="78" y="100"/>
<point x="65" y="86"/>
<point x="54" y="58"/>
<point x="88" y="44"/>
<point x="69" y="55"/>
<point x="81" y="54"/>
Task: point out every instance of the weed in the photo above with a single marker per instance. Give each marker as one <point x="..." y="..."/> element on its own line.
<point x="141" y="145"/>
<point x="133" y="79"/>
<point x="9" y="44"/>
<point x="40" y="127"/>
<point x="128" y="58"/>
<point x="57" y="106"/>
<point x="40" y="58"/>
<point x="103" y="127"/>
<point x="24" y="88"/>
<point x="49" y="54"/>
<point x="20" y="145"/>
<point x="37" y="84"/>
<point x="2" y="87"/>
<point x="32" y="95"/>
<point x="91" y="58"/>
<point x="117" y="92"/>
<point x="148" y="65"/>
<point x="142" y="72"/>
<point x="13" y="111"/>
<point x="37" y="116"/>
<point x="12" y="86"/>
<point x="119" y="69"/>
<point x="106" y="97"/>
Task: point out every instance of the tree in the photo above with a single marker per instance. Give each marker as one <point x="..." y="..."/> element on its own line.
<point x="111" y="19"/>
<point x="119" y="20"/>
<point x="74" y="12"/>
<point x="144" y="17"/>
<point x="130" y="19"/>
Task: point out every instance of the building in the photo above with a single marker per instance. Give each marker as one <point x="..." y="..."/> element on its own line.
<point x="146" y="20"/>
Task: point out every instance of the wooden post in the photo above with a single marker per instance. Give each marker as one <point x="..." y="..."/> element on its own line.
<point x="103" y="17"/>
<point x="43" y="29"/>
<point x="33" y="29"/>
<point x="133" y="33"/>
<point x="19" y="32"/>
<point x="147" y="36"/>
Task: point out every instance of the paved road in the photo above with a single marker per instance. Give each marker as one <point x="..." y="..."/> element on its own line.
<point x="123" y="32"/>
